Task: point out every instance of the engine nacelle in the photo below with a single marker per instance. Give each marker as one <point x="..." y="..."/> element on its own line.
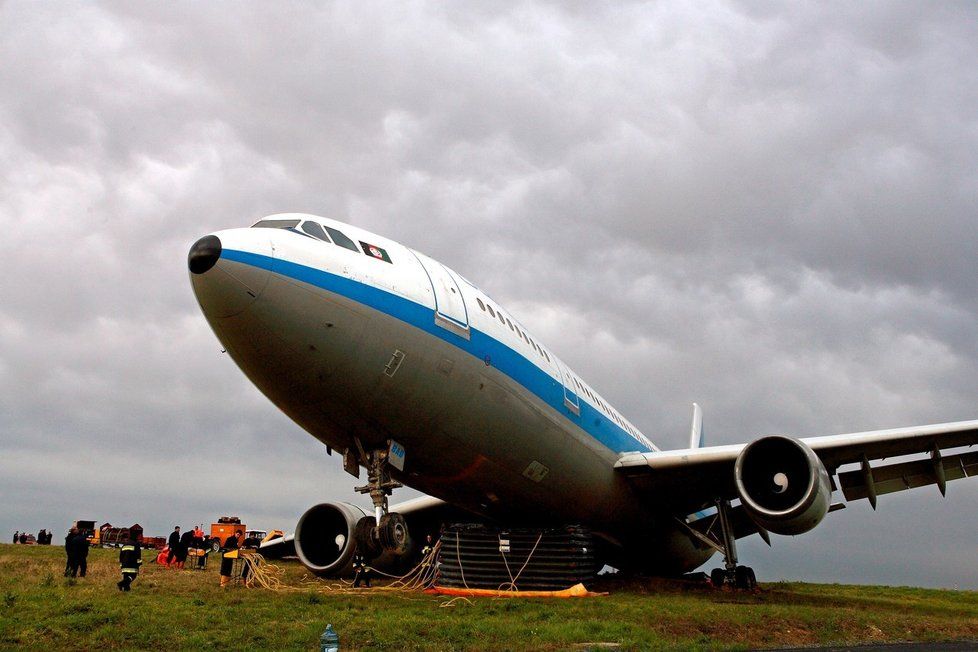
<point x="783" y="485"/>
<point x="324" y="539"/>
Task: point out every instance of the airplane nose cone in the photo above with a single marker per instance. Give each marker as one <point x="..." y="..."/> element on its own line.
<point x="204" y="254"/>
<point x="223" y="272"/>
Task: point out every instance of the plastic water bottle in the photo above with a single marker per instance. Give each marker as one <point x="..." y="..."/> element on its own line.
<point x="329" y="641"/>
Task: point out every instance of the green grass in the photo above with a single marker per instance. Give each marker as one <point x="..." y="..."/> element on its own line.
<point x="170" y="609"/>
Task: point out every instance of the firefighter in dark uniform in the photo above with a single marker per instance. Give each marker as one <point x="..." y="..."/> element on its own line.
<point x="130" y="559"/>
<point x="427" y="562"/>
<point x="173" y="543"/>
<point x="362" y="571"/>
<point x="77" y="547"/>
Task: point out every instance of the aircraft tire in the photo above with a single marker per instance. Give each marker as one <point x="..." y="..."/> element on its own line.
<point x="363" y="536"/>
<point x="745" y="578"/>
<point x="394" y="534"/>
<point x="717" y="576"/>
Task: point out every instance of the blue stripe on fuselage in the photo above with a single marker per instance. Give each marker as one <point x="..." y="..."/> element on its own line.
<point x="505" y="359"/>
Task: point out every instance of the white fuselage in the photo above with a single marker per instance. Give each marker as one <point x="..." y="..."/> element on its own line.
<point x="351" y="345"/>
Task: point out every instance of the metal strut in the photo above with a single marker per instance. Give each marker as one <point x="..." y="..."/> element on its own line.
<point x="725" y="543"/>
<point x="727" y="535"/>
<point x="379" y="485"/>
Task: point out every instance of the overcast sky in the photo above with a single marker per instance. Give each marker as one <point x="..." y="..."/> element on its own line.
<point x="769" y="209"/>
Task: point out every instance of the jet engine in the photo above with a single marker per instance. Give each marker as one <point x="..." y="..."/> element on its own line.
<point x="324" y="537"/>
<point x="783" y="485"/>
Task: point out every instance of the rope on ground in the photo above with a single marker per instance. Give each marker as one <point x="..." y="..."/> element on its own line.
<point x="259" y="572"/>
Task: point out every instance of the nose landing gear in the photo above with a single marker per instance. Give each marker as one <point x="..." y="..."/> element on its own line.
<point x="384" y="531"/>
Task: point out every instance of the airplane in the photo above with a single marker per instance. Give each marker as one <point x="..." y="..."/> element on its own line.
<point x="412" y="372"/>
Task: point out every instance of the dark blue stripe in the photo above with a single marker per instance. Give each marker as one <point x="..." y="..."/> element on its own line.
<point x="505" y="359"/>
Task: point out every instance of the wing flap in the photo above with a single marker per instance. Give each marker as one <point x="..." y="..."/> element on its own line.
<point x="890" y="478"/>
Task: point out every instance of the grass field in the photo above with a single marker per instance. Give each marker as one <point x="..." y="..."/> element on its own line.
<point x="170" y="609"/>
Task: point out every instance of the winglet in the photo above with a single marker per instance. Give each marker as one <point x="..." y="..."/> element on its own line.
<point x="696" y="430"/>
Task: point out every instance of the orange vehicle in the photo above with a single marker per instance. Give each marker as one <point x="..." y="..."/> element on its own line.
<point x="226" y="526"/>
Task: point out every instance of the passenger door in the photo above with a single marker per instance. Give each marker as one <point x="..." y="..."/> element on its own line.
<point x="450" y="310"/>
<point x="571" y="400"/>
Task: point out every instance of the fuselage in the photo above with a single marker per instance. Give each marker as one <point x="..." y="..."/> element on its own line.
<point x="356" y="336"/>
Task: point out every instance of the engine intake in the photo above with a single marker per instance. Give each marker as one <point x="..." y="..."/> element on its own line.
<point x="324" y="540"/>
<point x="783" y="485"/>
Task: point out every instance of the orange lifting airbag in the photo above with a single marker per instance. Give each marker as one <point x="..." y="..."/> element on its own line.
<point x="576" y="591"/>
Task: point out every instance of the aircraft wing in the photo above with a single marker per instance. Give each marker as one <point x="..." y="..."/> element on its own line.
<point x="687" y="480"/>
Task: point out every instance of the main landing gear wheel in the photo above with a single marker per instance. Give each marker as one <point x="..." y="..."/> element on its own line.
<point x="740" y="577"/>
<point x="744" y="578"/>
<point x="718" y="577"/>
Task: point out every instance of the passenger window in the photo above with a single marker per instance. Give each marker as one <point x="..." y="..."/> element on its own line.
<point x="510" y="325"/>
<point x="546" y="355"/>
<point x="502" y="320"/>
<point x="481" y="305"/>
<point x="314" y="230"/>
<point x="491" y="311"/>
<point x="276" y="224"/>
<point x="341" y="239"/>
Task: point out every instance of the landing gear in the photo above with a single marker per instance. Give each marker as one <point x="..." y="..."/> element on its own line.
<point x="384" y="531"/>
<point x="740" y="577"/>
<point x="724" y="542"/>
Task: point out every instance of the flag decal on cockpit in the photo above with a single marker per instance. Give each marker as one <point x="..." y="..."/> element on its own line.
<point x="375" y="252"/>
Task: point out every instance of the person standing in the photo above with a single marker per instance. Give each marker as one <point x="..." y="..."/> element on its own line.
<point x="71" y="567"/>
<point x="130" y="559"/>
<point x="231" y="543"/>
<point x="16" y="535"/>
<point x="79" y="549"/>
<point x="173" y="543"/>
<point x="362" y="571"/>
<point x="184" y="547"/>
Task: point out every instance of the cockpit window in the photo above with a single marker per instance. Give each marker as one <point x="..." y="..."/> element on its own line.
<point x="276" y="224"/>
<point x="341" y="239"/>
<point x="314" y="230"/>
